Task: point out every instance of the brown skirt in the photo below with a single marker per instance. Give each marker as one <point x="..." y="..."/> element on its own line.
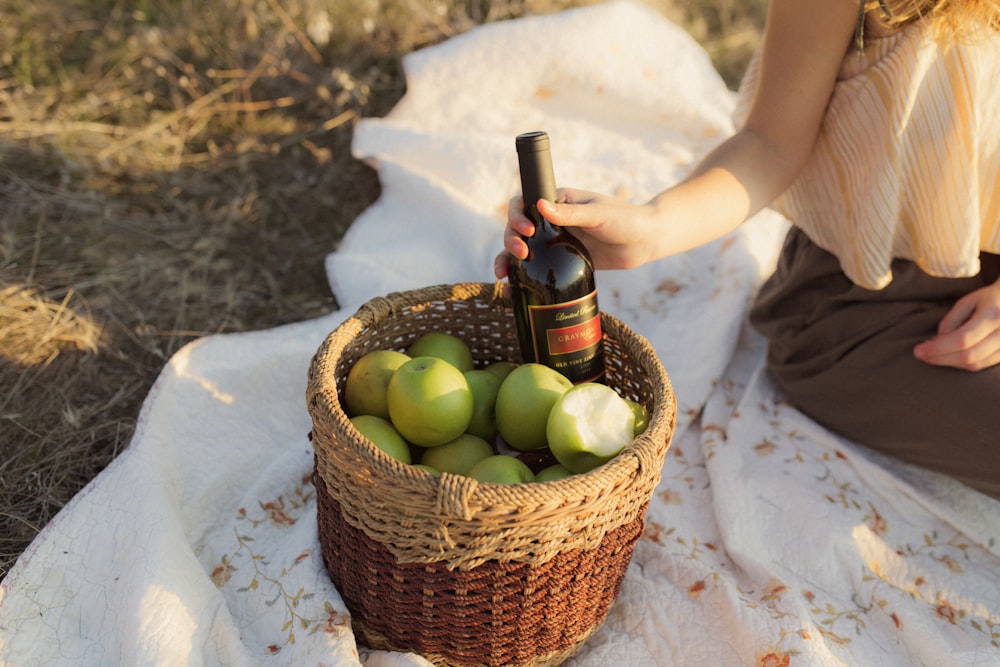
<point x="844" y="356"/>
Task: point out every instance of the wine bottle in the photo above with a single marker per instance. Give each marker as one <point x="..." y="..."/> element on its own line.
<point x="553" y="290"/>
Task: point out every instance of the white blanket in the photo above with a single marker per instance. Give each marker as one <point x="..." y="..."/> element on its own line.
<point x="770" y="541"/>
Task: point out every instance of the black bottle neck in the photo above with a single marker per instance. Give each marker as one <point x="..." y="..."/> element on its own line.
<point x="537" y="176"/>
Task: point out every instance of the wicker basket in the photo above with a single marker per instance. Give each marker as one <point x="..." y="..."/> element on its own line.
<point x="462" y="572"/>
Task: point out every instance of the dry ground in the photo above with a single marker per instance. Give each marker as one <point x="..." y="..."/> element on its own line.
<point x="172" y="168"/>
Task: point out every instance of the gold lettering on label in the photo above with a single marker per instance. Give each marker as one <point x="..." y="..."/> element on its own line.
<point x="589" y="332"/>
<point x="581" y="312"/>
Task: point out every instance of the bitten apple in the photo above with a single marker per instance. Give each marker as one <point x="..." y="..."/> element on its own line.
<point x="588" y="426"/>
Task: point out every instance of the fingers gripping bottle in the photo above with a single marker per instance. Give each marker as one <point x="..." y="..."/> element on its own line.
<point x="553" y="290"/>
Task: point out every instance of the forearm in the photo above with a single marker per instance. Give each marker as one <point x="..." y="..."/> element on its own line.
<point x="804" y="45"/>
<point x="738" y="179"/>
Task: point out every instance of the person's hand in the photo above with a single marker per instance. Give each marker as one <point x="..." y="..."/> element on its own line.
<point x="613" y="231"/>
<point x="968" y="336"/>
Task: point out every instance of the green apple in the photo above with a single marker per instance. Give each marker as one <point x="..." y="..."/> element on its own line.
<point x="484" y="386"/>
<point x="429" y="401"/>
<point x="364" y="388"/>
<point x="427" y="469"/>
<point x="500" y="368"/>
<point x="553" y="472"/>
<point x="384" y="436"/>
<point x="443" y="346"/>
<point x="523" y="402"/>
<point x="641" y="417"/>
<point x="457" y="456"/>
<point x="588" y="426"/>
<point x="501" y="469"/>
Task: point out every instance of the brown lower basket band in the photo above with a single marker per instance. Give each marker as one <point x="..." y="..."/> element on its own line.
<point x="493" y="614"/>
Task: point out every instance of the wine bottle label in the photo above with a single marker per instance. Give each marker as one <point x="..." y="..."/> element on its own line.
<point x="567" y="337"/>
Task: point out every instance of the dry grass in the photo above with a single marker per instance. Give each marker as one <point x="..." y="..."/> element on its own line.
<point x="172" y="168"/>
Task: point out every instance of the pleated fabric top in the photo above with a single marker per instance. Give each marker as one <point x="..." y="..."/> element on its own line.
<point x="907" y="161"/>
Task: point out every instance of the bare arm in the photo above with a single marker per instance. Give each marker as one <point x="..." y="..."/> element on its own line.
<point x="804" y="45"/>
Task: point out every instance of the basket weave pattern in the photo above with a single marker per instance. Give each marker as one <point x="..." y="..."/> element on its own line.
<point x="471" y="573"/>
<point x="493" y="614"/>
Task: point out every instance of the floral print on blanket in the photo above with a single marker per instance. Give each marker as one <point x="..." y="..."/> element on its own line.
<point x="898" y="565"/>
<point x="907" y="584"/>
<point x="260" y="568"/>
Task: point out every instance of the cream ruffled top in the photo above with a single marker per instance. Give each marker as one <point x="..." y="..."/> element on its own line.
<point x="907" y="162"/>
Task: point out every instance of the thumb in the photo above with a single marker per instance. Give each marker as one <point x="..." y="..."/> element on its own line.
<point x="567" y="214"/>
